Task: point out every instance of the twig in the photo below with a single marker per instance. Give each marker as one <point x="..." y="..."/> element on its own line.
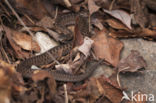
<point x="3" y="51"/>
<point x="67" y="3"/>
<point x="26" y="28"/>
<point x="89" y="23"/>
<point x="65" y="92"/>
<point x="56" y="13"/>
<point x="111" y="5"/>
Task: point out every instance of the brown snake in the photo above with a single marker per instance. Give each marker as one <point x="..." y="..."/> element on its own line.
<point x="25" y="66"/>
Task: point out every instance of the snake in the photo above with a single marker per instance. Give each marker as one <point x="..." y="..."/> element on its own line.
<point x="24" y="67"/>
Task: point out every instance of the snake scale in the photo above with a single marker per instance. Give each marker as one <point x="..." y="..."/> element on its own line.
<point x="61" y="24"/>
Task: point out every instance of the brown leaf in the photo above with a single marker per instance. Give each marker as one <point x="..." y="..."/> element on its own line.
<point x="25" y="41"/>
<point x="10" y="83"/>
<point x="116" y="24"/>
<point x="107" y="48"/>
<point x="92" y="6"/>
<point x="132" y="63"/>
<point x="97" y="23"/>
<point x="121" y="15"/>
<point x="41" y="76"/>
<point x="20" y="40"/>
<point x="101" y="87"/>
<point x="78" y="37"/>
<point x="32" y="8"/>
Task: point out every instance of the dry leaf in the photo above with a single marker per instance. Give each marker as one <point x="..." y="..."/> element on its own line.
<point x="86" y="46"/>
<point x="97" y="23"/>
<point x="99" y="86"/>
<point x="18" y="51"/>
<point x="78" y="37"/>
<point x="41" y="76"/>
<point x="25" y="41"/>
<point x="116" y="24"/>
<point x="32" y="8"/>
<point x="132" y="63"/>
<point x="92" y="7"/>
<point x="45" y="42"/>
<point x="10" y="83"/>
<point x="121" y="15"/>
<point x="107" y="48"/>
<point x="64" y="67"/>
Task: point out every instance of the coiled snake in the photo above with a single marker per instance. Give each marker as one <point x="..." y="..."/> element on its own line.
<point x="69" y="19"/>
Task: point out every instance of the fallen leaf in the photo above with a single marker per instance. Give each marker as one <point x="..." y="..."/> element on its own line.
<point x="86" y="46"/>
<point x="78" y="37"/>
<point x="116" y="24"/>
<point x="32" y="8"/>
<point x="98" y="87"/>
<point x="132" y="63"/>
<point x="92" y="6"/>
<point x="10" y="83"/>
<point x="41" y="76"/>
<point x="19" y="40"/>
<point x="65" y="67"/>
<point x="22" y="39"/>
<point x="45" y="42"/>
<point x="121" y="15"/>
<point x="107" y="48"/>
<point x="112" y="93"/>
<point x="46" y="22"/>
<point x="97" y="23"/>
<point x="25" y="41"/>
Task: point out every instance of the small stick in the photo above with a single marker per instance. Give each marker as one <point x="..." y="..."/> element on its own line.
<point x="65" y="92"/>
<point x="111" y="5"/>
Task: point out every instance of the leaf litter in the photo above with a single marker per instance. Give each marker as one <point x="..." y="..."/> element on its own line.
<point x="107" y="28"/>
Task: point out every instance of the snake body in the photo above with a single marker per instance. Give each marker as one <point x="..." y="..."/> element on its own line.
<point x="69" y="19"/>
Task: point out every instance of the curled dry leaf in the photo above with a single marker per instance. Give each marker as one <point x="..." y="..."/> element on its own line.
<point x="121" y="15"/>
<point x="92" y="6"/>
<point x="116" y="24"/>
<point x="86" y="46"/>
<point x="44" y="41"/>
<point x="132" y="63"/>
<point x="107" y="48"/>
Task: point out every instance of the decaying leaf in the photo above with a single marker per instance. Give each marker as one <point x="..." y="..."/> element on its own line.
<point x="19" y="41"/>
<point x="124" y="17"/>
<point x="92" y="6"/>
<point x="86" y="46"/>
<point x="116" y="24"/>
<point x="45" y="42"/>
<point x="41" y="76"/>
<point x="11" y="82"/>
<point x="99" y="86"/>
<point x="78" y="37"/>
<point x="132" y="63"/>
<point x="97" y="23"/>
<point x="107" y="48"/>
<point x="24" y="41"/>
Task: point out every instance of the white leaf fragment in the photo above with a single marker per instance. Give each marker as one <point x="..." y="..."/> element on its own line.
<point x="86" y="46"/>
<point x="44" y="41"/>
